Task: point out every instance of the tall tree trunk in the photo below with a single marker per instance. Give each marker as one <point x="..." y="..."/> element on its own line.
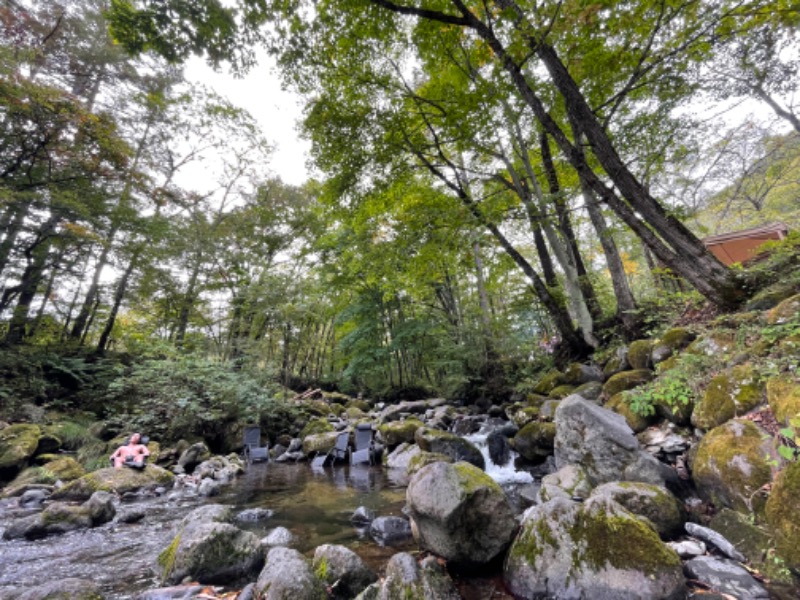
<point x="483" y="301"/>
<point x="187" y="303"/>
<point x="12" y="225"/>
<point x="119" y="295"/>
<point x="79" y="326"/>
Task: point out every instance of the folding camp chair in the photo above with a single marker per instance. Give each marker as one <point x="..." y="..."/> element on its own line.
<point x="339" y="451"/>
<point x="253" y="450"/>
<point x="363" y="449"/>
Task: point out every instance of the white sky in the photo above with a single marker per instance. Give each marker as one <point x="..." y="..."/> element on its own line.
<point x="277" y="111"/>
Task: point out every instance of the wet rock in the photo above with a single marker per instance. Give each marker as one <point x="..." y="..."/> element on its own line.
<point x="319" y="443"/>
<point x="287" y="574"/>
<point x="280" y="536"/>
<point x="725" y="576"/>
<point x="211" y="552"/>
<point x="253" y="515"/>
<point x="193" y="456"/>
<point x="601" y="441"/>
<point x="388" y="531"/>
<point x="119" y="481"/>
<point x="732" y="465"/>
<point x="459" y="513"/>
<point x="405" y="578"/>
<point x="499" y="448"/>
<point x="612" y="555"/>
<point x="344" y="572"/>
<point x="362" y="516"/>
<point x="209" y="487"/>
<point x="131" y="515"/>
<point x="33" y="498"/>
<point x="59" y="517"/>
<point x="688" y="548"/>
<point x="417" y="407"/>
<point x="423" y="459"/>
<point x="64" y="589"/>
<point x="208" y="513"/>
<point x="457" y="448"/>
<point x="715" y="539"/>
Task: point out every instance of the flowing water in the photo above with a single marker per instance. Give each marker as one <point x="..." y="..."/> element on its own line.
<point x="314" y="504"/>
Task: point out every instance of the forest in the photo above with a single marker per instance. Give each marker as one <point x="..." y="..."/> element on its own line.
<point x="502" y="187"/>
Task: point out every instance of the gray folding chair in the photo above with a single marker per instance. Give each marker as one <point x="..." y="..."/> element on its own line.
<point x="363" y="445"/>
<point x="253" y="450"/>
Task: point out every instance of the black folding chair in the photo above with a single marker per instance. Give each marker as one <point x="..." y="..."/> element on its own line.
<point x="253" y="450"/>
<point x="338" y="452"/>
<point x="363" y="445"/>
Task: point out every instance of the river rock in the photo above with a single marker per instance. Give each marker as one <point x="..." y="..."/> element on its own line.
<point x="601" y="441"/>
<point x="362" y="516"/>
<point x="64" y="589"/>
<point x="211" y="552"/>
<point x="715" y="539"/>
<point x="390" y="530"/>
<point x="254" y="515"/>
<point x="60" y="517"/>
<point x="653" y="502"/>
<point x="417" y="407"/>
<point x="287" y="574"/>
<point x="193" y="456"/>
<point x="459" y="513"/>
<point x="457" y="448"/>
<point x="725" y="576"/>
<point x="688" y="548"/>
<point x="120" y="481"/>
<point x="342" y="570"/>
<point x="280" y="536"/>
<point x="595" y="549"/>
<point x="405" y="578"/>
<point x="319" y="443"/>
<point x="208" y="513"/>
<point x="33" y="498"/>
<point x="570" y="482"/>
<point x="401" y="457"/>
<point x="534" y="442"/>
<point x="176" y="592"/>
<point x="395" y="433"/>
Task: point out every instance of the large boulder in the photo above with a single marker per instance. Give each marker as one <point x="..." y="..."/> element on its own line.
<point x="459" y="513"/>
<point x="639" y="354"/>
<point x="601" y="441"/>
<point x="60" y="517"/>
<point x="402" y="456"/>
<point x="783" y="395"/>
<point x="119" y="481"/>
<point x="405" y="578"/>
<point x="18" y="444"/>
<point x="63" y="469"/>
<point x="342" y="570"/>
<point x="442" y="442"/>
<point x="594" y="550"/>
<point x="397" y="411"/>
<point x="728" y="395"/>
<point x="627" y="380"/>
<point x="211" y="552"/>
<point x="64" y="589"/>
<point x="319" y="443"/>
<point x="732" y="466"/>
<point x="287" y="575"/>
<point x="782" y="510"/>
<point x="727" y="577"/>
<point x="579" y="374"/>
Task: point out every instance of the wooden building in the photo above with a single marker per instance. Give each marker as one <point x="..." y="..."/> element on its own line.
<point x="741" y="246"/>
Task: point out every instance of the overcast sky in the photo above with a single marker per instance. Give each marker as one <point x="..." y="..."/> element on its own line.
<point x="278" y="112"/>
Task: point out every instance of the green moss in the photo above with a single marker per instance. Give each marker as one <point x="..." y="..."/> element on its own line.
<point x="727" y="396"/>
<point x="316" y="426"/>
<point x="620" y="403"/>
<point x="397" y="432"/>
<point x="785" y="311"/>
<point x="422" y="459"/>
<point x="17" y="444"/>
<point x="321" y="569"/>
<point x="562" y="391"/>
<point x="639" y="354"/>
<point x="626" y="380"/>
<point x="782" y="509"/>
<point x="623" y="542"/>
<point x="522" y="415"/>
<point x="535" y="441"/>
<point x="783" y="395"/>
<point x="473" y="479"/>
<point x="166" y="559"/>
<point x="732" y="465"/>
<point x="549" y="382"/>
<point x="677" y="338"/>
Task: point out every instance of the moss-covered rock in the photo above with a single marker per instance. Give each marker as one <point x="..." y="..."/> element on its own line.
<point x="118" y="481"/>
<point x="620" y="403"/>
<point x="782" y="510"/>
<point x="570" y="482"/>
<point x="592" y="550"/>
<point x="786" y="311"/>
<point x="728" y="395"/>
<point x="354" y="413"/>
<point x="521" y="415"/>
<point x="561" y="391"/>
<point x="422" y="459"/>
<point x="458" y="448"/>
<point x="321" y="442"/>
<point x="18" y="444"/>
<point x="362" y="405"/>
<point x="627" y="380"/>
<point x="732" y="466"/>
<point x="590" y="391"/>
<point x="579" y="373"/>
<point x="549" y="382"/>
<point x="60" y="468"/>
<point x="64" y="589"/>
<point x="653" y="502"/>
<point x="639" y="354"/>
<point x="316" y="426"/>
<point x="783" y="395"/>
<point x="534" y="442"/>
<point x="395" y="433"/>
<point x="617" y="363"/>
<point x="716" y="343"/>
<point x="671" y="342"/>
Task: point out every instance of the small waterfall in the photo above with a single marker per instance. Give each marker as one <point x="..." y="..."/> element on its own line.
<point x="502" y="474"/>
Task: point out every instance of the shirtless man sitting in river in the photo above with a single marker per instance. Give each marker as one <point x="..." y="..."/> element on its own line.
<point x="133" y="454"/>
